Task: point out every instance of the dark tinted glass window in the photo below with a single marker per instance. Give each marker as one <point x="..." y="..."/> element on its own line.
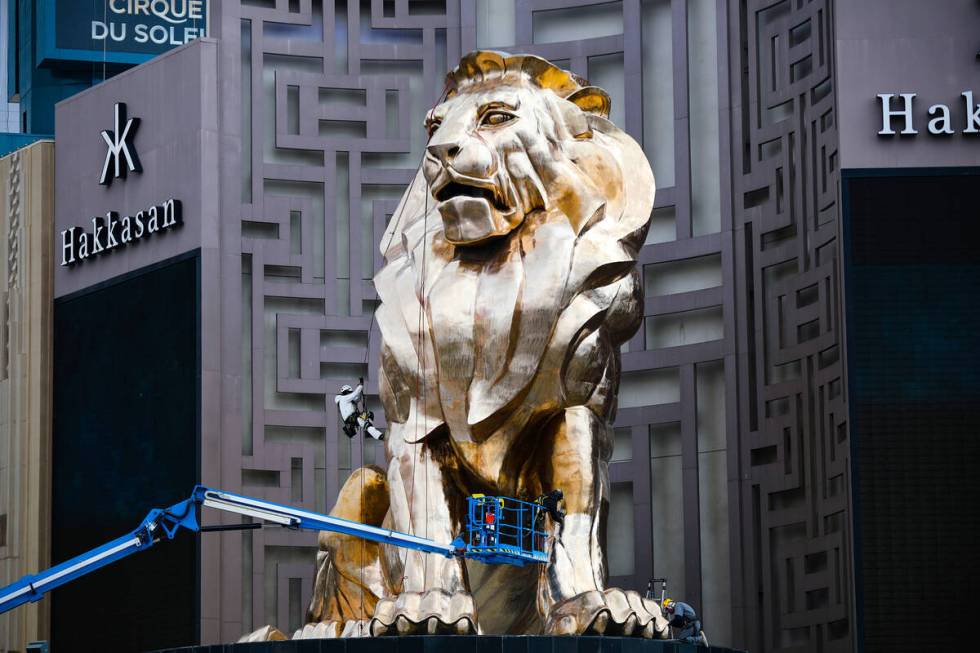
<point x="125" y="440"/>
<point x="913" y="309"/>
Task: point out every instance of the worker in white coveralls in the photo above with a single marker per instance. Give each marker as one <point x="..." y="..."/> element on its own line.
<point x="352" y="416"/>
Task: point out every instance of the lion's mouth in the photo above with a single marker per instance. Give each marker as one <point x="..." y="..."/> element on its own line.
<point x="456" y="189"/>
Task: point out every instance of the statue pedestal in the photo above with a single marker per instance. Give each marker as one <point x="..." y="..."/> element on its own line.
<point x="460" y="644"/>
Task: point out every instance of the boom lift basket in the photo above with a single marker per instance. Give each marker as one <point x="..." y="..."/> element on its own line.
<point x="505" y="530"/>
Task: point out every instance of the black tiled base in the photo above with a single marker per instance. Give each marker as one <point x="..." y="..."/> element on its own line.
<point x="460" y="644"/>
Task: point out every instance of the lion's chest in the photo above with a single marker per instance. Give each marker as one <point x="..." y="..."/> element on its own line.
<point x="479" y="337"/>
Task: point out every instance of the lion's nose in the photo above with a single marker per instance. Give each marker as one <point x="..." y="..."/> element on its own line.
<point x="444" y="152"/>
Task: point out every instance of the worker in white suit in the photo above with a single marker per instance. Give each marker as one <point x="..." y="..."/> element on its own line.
<point x="352" y="416"/>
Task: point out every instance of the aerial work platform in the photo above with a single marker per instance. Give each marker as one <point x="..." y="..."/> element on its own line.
<point x="504" y="530"/>
<point x="508" y="533"/>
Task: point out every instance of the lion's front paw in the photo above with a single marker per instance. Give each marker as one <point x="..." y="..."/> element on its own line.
<point x="333" y="629"/>
<point x="420" y="613"/>
<point x="612" y="612"/>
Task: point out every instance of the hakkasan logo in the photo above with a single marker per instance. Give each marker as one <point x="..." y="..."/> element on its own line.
<point x="160" y="22"/>
<point x="115" y="231"/>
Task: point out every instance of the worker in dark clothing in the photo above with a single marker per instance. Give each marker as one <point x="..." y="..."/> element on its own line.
<point x="681" y="616"/>
<point x="550" y="503"/>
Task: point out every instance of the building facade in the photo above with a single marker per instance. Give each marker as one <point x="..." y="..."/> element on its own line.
<point x="9" y="111"/>
<point x="911" y="271"/>
<point x="273" y="153"/>
<point x="27" y="279"/>
<point x="57" y="48"/>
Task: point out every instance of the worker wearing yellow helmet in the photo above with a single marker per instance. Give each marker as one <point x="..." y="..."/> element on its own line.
<point x="683" y="617"/>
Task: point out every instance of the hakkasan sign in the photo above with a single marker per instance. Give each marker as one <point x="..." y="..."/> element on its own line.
<point x="117" y="31"/>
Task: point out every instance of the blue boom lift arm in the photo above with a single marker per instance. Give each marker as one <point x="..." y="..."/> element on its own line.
<point x="492" y="540"/>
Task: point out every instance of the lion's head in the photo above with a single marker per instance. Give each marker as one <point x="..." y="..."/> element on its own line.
<point x="496" y="145"/>
<point x="528" y="197"/>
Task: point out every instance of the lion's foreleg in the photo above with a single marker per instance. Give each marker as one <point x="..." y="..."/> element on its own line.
<point x="349" y="578"/>
<point x="572" y="597"/>
<point x="577" y="564"/>
<point x="434" y="593"/>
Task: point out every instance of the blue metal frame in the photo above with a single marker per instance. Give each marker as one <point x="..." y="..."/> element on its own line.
<point x="290" y="517"/>
<point x="157" y="525"/>
<point x="505" y="530"/>
<point x="511" y="537"/>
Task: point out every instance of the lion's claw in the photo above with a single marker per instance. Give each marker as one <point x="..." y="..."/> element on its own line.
<point x="612" y="612"/>
<point x="434" y="612"/>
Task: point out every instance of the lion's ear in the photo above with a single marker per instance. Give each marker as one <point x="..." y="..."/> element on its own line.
<point x="591" y="99"/>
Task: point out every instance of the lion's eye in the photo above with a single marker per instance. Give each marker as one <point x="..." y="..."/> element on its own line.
<point x="495" y="118"/>
<point x="432" y="125"/>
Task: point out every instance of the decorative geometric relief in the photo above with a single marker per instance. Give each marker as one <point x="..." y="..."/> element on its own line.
<point x="13" y="260"/>
<point x="333" y="95"/>
<point x="333" y="102"/>
<point x="795" y="506"/>
<point x="639" y="52"/>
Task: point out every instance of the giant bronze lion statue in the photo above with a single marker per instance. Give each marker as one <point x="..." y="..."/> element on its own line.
<point x="509" y="286"/>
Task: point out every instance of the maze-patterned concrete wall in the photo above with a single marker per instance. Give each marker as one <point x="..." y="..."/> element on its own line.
<point x="322" y="105"/>
<point x="795" y="522"/>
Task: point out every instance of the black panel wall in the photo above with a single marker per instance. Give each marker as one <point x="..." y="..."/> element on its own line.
<point x="913" y="283"/>
<point x="126" y="389"/>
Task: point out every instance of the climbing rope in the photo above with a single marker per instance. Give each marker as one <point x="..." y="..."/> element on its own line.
<point x="420" y="375"/>
<point x="360" y="518"/>
<point x="420" y="396"/>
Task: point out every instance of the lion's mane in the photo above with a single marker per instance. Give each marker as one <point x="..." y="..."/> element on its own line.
<point x="500" y="317"/>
